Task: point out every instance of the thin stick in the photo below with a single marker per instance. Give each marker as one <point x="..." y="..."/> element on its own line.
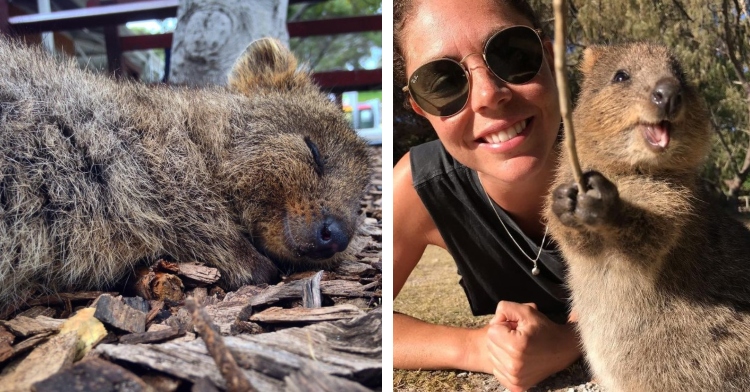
<point x="564" y="91"/>
<point x="236" y="380"/>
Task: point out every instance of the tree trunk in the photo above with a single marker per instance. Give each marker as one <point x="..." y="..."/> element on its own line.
<point x="211" y="34"/>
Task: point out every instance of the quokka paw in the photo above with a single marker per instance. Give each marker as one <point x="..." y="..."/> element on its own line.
<point x="594" y="207"/>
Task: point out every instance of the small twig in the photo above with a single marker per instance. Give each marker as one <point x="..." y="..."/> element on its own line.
<point x="236" y="380"/>
<point x="564" y="91"/>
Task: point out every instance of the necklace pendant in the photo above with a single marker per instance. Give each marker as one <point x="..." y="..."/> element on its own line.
<point x="535" y="270"/>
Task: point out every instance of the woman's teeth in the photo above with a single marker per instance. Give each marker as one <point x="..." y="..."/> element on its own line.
<point x="507" y="134"/>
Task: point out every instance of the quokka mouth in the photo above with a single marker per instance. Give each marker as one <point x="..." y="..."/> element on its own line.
<point x="657" y="135"/>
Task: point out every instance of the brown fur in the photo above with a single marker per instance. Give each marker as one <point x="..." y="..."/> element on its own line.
<point x="97" y="175"/>
<point x="660" y="278"/>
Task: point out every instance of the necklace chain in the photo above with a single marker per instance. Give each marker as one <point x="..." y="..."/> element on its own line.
<point x="535" y="270"/>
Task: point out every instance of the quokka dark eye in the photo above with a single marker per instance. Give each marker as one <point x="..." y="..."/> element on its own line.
<point x="317" y="158"/>
<point x="620" y="76"/>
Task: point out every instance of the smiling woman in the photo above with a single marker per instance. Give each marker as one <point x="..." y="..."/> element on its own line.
<point x="483" y="79"/>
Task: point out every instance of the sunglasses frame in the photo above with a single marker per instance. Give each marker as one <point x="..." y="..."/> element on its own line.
<point x="467" y="72"/>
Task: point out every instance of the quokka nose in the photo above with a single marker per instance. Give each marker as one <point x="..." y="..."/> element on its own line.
<point x="329" y="239"/>
<point x="667" y="96"/>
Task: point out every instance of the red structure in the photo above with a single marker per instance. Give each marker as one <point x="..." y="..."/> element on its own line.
<point x="110" y="14"/>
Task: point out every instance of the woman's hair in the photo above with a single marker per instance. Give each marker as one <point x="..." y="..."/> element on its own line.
<point x="402" y="9"/>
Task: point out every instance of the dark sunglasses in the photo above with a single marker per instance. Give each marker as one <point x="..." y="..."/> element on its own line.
<point x="441" y="87"/>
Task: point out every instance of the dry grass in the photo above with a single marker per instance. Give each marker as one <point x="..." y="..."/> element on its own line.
<point x="432" y="294"/>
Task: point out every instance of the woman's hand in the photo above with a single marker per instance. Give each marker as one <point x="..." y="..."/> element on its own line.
<point x="525" y="347"/>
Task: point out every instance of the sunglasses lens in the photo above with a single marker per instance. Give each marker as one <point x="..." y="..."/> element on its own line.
<point x="440" y="87"/>
<point x="515" y="54"/>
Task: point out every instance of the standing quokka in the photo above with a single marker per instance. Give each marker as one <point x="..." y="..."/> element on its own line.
<point x="660" y="279"/>
<point x="96" y="175"/>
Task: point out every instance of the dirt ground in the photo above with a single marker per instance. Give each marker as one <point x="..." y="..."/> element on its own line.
<point x="432" y="294"/>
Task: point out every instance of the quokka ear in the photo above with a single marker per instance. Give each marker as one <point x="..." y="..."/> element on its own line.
<point x="267" y="64"/>
<point x="590" y="55"/>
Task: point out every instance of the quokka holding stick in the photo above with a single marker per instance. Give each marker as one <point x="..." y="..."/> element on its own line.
<point x="97" y="175"/>
<point x="660" y="278"/>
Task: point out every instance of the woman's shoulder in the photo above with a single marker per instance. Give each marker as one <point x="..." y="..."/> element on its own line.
<point x="430" y="161"/>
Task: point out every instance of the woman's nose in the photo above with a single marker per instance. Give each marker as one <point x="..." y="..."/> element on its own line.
<point x="487" y="91"/>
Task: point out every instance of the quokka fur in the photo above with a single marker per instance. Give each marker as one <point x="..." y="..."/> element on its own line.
<point x="97" y="175"/>
<point x="660" y="277"/>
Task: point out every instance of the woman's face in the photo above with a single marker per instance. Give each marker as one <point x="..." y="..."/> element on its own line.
<point x="454" y="29"/>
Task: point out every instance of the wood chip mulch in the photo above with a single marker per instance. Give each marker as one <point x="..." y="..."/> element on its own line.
<point x="174" y="329"/>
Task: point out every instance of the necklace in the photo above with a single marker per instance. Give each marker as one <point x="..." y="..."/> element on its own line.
<point x="535" y="270"/>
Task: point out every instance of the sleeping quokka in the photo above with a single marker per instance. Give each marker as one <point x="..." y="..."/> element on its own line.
<point x="97" y="175"/>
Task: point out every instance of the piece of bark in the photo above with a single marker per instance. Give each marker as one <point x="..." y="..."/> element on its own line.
<point x="31" y="342"/>
<point x="182" y="320"/>
<point x="114" y="312"/>
<point x="308" y="379"/>
<point x="44" y="361"/>
<point x="354" y="268"/>
<point x="141" y="285"/>
<point x="6" y="341"/>
<point x="199" y="273"/>
<point x="357" y="244"/>
<point x="235" y="379"/>
<point x="25" y="326"/>
<point x="6" y="336"/>
<point x="166" y="266"/>
<point x="277" y="315"/>
<point x="161" y="383"/>
<point x="158" y="327"/>
<point x="244" y="293"/>
<point x="204" y="385"/>
<point x="156" y="308"/>
<point x="311" y="294"/>
<point x="358" y="302"/>
<point x="93" y="375"/>
<point x="34" y="311"/>
<point x="188" y="337"/>
<point x="6" y="352"/>
<point x="372" y="230"/>
<point x="283" y="291"/>
<point x="153" y="284"/>
<point x="373" y="285"/>
<point x="246" y="327"/>
<point x="151" y="336"/>
<point x="199" y="294"/>
<point x="345" y="288"/>
<point x="167" y="286"/>
<point x="137" y="303"/>
<point x="217" y="292"/>
<point x="90" y="331"/>
<point x="226" y="314"/>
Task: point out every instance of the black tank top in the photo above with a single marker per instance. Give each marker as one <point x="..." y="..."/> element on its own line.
<point x="491" y="266"/>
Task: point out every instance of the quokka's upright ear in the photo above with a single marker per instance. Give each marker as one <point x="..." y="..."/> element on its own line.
<point x="267" y="64"/>
<point x="590" y="55"/>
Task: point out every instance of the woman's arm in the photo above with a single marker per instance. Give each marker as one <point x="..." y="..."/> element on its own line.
<point x="417" y="344"/>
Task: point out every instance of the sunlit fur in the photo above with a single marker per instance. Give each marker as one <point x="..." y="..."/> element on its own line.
<point x="661" y="284"/>
<point x="98" y="175"/>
